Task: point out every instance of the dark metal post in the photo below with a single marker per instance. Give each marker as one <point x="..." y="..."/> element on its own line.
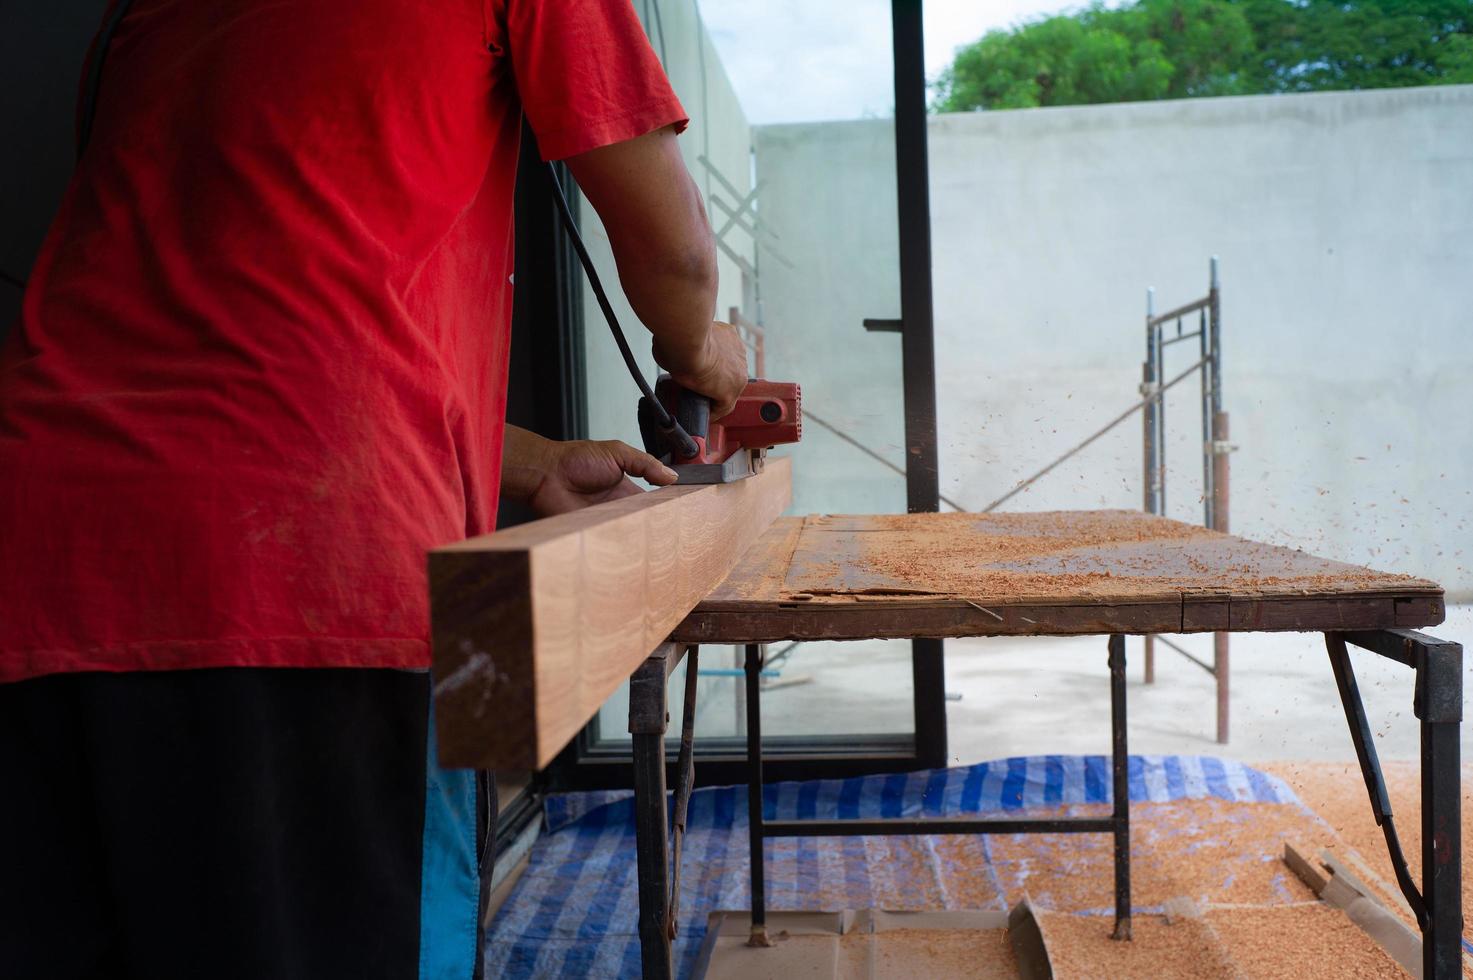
<point x="685" y="779"/>
<point x="1120" y="787"/>
<point x="648" y="718"/>
<point x="754" y="794"/>
<point x="928" y="682"/>
<point x="913" y="199"/>
<point x="1439" y="707"/>
<point x="917" y="343"/>
<point x="651" y="841"/>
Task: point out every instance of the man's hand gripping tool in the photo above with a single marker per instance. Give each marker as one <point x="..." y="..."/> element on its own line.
<point x="767" y="414"/>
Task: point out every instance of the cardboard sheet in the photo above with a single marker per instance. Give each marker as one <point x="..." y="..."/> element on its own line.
<point x="867" y="944"/>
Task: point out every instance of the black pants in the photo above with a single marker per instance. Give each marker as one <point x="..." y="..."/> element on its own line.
<point x="245" y="823"/>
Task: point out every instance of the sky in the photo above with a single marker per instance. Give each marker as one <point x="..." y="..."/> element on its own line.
<point x="805" y="60"/>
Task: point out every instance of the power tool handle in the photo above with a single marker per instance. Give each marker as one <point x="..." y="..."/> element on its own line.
<point x="693" y="412"/>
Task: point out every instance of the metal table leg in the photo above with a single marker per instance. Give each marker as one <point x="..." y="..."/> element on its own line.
<point x="648" y="719"/>
<point x="685" y="780"/>
<point x="1438" y="704"/>
<point x="1370" y="768"/>
<point x="1439" y="707"/>
<point x="1120" y="787"/>
<point x="1117" y="824"/>
<point x="755" y="829"/>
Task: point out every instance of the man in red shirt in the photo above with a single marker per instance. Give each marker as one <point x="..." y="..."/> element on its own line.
<point x="260" y="370"/>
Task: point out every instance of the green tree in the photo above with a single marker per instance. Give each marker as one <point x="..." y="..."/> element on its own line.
<point x="1315" y="45"/>
<point x="1170" y="49"/>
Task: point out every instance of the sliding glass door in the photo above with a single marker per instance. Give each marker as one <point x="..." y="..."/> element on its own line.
<point x="797" y="145"/>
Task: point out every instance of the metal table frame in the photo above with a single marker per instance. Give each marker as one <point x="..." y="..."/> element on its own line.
<point x="1437" y="704"/>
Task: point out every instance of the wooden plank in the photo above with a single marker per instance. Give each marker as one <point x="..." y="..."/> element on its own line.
<point x="1296" y="856"/>
<point x="1315" y="613"/>
<point x="534" y="627"/>
<point x="1415" y="612"/>
<point x="759" y="575"/>
<point x="905" y="617"/>
<point x="1202" y="614"/>
<point x="897" y="618"/>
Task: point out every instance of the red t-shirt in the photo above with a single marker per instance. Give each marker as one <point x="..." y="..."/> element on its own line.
<point x="261" y="363"/>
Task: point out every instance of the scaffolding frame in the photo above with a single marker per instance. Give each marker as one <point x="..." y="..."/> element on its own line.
<point x="1215" y="449"/>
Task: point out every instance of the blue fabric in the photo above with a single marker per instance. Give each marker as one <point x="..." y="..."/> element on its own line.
<point x="574" y="911"/>
<point x="450" y="890"/>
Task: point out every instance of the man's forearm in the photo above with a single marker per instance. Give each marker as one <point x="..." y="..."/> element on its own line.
<point x="676" y="304"/>
<point x="672" y="288"/>
<point x="660" y="237"/>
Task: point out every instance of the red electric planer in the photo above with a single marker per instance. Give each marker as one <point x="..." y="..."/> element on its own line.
<point x="767" y="414"/>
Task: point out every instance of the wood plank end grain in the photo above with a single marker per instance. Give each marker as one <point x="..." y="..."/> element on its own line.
<point x="480" y="694"/>
<point x="535" y="627"/>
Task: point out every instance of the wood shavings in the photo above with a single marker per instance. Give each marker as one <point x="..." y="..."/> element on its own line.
<point x="1336" y="792"/>
<point x="1211" y="894"/>
<point x="1300" y="941"/>
<point x="1080" y="948"/>
<point x="1309" y="940"/>
<point x="989" y="559"/>
<point x="1211" y="851"/>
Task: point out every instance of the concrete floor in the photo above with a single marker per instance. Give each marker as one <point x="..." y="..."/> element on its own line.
<point x="1050" y="695"/>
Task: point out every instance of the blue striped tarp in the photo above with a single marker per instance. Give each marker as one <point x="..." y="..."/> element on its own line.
<point x="573" y="912"/>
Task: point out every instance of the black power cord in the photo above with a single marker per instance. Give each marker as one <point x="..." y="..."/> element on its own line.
<point x="671" y="429"/>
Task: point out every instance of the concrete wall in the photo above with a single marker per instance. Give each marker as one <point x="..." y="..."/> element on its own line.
<point x="1344" y="223"/>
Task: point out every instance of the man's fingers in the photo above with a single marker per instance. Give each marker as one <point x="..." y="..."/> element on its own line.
<point x="721" y="371"/>
<point x="643" y="465"/>
<point x="732" y="358"/>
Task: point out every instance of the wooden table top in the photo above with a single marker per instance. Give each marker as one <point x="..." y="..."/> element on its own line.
<point x="1053" y="573"/>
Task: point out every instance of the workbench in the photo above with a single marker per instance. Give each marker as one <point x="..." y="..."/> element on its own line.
<point x="1110" y="573"/>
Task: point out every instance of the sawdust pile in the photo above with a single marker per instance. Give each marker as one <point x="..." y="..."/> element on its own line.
<point x="1080" y="948"/>
<point x="1311" y="940"/>
<point x="1236" y="909"/>
<point x="1334" y="791"/>
<point x="1258" y="920"/>
<point x="1302" y="940"/>
<point x="1094" y="555"/>
<point x="1210" y="850"/>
